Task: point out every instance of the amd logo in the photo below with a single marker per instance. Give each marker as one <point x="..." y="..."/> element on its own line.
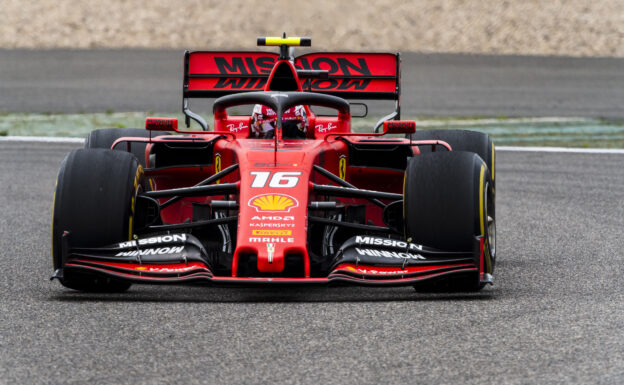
<point x="272" y="218"/>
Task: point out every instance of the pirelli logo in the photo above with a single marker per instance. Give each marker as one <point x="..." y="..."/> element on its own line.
<point x="271" y="232"/>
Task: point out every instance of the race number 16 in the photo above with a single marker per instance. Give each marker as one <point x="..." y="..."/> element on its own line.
<point x="285" y="179"/>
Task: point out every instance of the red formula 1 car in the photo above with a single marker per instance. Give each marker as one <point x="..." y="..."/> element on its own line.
<point x="306" y="203"/>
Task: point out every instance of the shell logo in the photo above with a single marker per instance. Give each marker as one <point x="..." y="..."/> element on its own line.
<point x="273" y="202"/>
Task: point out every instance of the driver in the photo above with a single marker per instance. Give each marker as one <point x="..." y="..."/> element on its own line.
<point x="294" y="122"/>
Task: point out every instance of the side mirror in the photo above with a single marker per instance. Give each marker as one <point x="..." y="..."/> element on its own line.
<point x="161" y="124"/>
<point x="399" y="127"/>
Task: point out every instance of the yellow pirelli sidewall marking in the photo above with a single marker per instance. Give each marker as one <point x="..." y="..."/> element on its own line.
<point x="218" y="166"/>
<point x="137" y="177"/>
<point x="292" y="41"/>
<point x="404" y="180"/>
<point x="481" y="219"/>
<point x="493" y="161"/>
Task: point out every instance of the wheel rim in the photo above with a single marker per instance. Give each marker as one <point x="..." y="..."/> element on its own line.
<point x="491" y="223"/>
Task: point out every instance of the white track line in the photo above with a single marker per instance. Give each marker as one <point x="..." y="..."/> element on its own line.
<point x="51" y="139"/>
<point x="510" y="121"/>
<point x="41" y="139"/>
<point x="563" y="149"/>
<point x="52" y="117"/>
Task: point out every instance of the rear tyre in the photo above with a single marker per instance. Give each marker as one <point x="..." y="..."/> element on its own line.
<point x="105" y="137"/>
<point x="94" y="201"/>
<point x="448" y="198"/>
<point x="463" y="140"/>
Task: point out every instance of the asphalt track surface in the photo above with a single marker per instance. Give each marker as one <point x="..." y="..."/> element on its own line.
<point x="554" y="315"/>
<point x="432" y="84"/>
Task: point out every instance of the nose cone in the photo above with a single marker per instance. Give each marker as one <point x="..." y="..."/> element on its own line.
<point x="272" y="224"/>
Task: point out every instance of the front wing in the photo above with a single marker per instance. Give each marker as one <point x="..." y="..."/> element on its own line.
<point x="362" y="260"/>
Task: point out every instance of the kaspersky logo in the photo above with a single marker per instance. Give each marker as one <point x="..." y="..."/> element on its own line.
<point x="273" y="203"/>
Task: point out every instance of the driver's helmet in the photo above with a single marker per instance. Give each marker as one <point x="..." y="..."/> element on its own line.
<point x="263" y="120"/>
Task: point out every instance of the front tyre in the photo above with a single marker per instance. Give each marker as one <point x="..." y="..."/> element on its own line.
<point x="448" y="201"/>
<point x="94" y="201"/>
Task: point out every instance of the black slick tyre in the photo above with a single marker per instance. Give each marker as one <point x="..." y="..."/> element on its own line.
<point x="105" y="137"/>
<point x="94" y="202"/>
<point x="448" y="201"/>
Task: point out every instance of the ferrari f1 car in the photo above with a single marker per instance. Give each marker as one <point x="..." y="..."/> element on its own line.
<point x="327" y="205"/>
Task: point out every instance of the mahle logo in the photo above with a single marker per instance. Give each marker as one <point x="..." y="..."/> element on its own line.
<point x="273" y="202"/>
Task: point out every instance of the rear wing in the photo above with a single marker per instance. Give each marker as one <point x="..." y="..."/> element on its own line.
<point x="350" y="75"/>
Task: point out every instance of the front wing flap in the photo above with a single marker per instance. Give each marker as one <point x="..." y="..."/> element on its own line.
<point x="363" y="259"/>
<point x="165" y="258"/>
